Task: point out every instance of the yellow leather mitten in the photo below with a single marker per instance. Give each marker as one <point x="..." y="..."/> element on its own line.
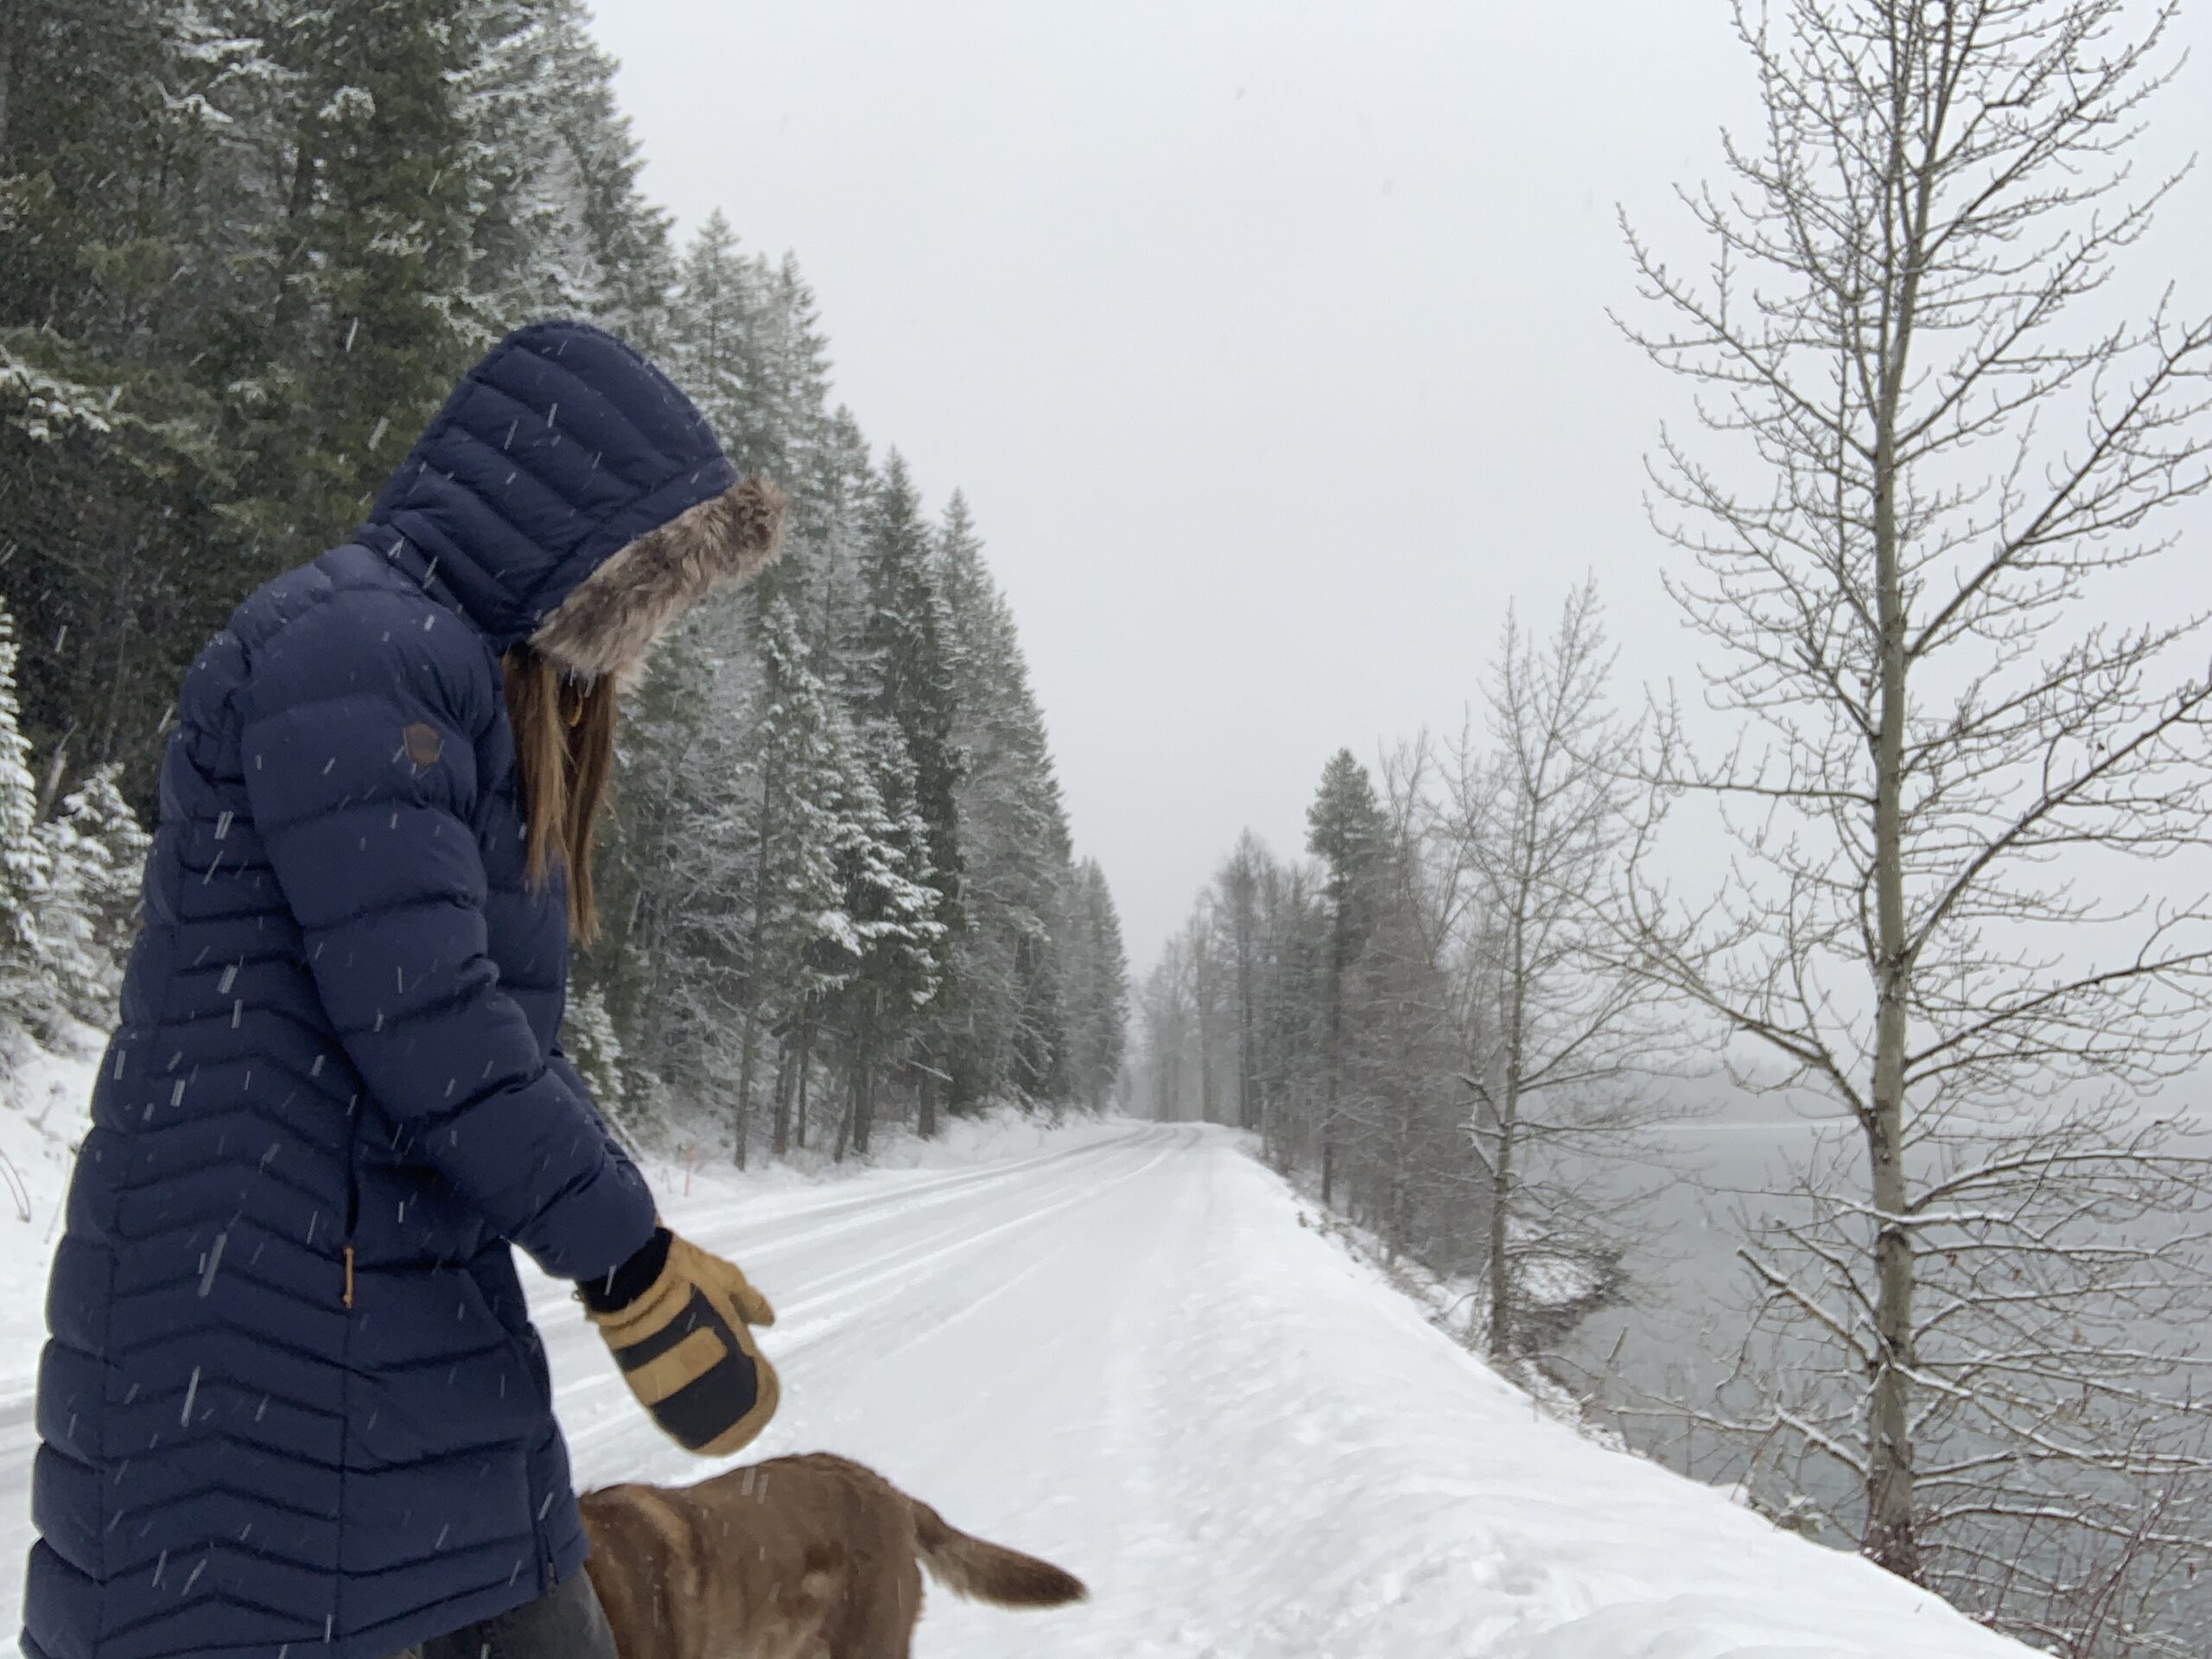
<point x="686" y="1348"/>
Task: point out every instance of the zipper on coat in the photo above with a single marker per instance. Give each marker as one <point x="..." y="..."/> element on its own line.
<point x="353" y="1207"/>
<point x="346" y="1341"/>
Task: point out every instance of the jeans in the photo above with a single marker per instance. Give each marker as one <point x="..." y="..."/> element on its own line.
<point x="565" y="1623"/>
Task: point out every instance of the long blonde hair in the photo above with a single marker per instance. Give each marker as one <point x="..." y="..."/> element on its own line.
<point x="564" y="748"/>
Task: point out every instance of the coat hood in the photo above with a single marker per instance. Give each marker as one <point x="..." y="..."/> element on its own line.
<point x="569" y="495"/>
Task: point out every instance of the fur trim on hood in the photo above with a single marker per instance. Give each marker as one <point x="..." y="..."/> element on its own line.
<point x="609" y="621"/>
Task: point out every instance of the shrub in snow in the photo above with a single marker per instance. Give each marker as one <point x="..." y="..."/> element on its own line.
<point x="587" y="1037"/>
<point x="95" y="858"/>
<point x="648" y="1113"/>
<point x="68" y="886"/>
<point x="26" y="867"/>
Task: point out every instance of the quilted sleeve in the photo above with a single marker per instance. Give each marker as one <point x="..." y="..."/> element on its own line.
<point x="357" y="747"/>
<point x="565" y="1069"/>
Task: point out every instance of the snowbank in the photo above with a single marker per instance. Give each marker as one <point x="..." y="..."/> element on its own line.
<point x="43" y="1106"/>
<point x="961" y="1143"/>
<point x="1417" y="1504"/>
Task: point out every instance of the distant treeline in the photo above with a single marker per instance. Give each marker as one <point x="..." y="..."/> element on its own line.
<point x="1417" y="1017"/>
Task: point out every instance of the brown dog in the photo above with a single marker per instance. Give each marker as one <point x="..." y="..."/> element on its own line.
<point x="800" y="1558"/>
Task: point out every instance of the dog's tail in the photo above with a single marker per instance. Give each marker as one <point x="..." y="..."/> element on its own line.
<point x="986" y="1572"/>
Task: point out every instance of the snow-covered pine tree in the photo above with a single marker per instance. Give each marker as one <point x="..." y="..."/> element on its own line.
<point x="528" y="256"/>
<point x="1097" y="994"/>
<point x="796" y="355"/>
<point x="1008" y="1030"/>
<point x="376" y="292"/>
<point x="805" y="947"/>
<point x="908" y="668"/>
<point x="891" y="932"/>
<point x="1399" y="1120"/>
<point x="96" y="851"/>
<point x="595" y="245"/>
<point x="901" y="683"/>
<point x="26" y="863"/>
<point x="1346" y="830"/>
<point x="1293" y="1012"/>
<point x="259" y="241"/>
<point x="110" y="148"/>
<point x="675" y="866"/>
<point x="718" y="348"/>
<point x="594" y="1048"/>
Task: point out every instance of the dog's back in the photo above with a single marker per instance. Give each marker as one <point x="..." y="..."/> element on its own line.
<point x="801" y="1558"/>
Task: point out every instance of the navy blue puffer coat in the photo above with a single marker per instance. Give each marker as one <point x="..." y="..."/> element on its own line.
<point x="337" y="1033"/>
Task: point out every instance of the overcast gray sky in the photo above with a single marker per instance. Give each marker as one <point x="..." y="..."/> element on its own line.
<point x="1268" y="339"/>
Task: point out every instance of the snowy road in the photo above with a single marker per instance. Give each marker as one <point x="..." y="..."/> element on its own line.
<point x="1126" y="1353"/>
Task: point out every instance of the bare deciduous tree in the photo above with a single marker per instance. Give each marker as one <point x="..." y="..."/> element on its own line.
<point x="1559" y="1040"/>
<point x="1238" y="882"/>
<point x="1958" y="784"/>
<point x="1165" y="1015"/>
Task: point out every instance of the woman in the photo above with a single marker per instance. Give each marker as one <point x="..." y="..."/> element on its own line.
<point x="292" y="1398"/>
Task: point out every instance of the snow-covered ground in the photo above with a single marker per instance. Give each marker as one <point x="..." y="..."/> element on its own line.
<point x="1121" y="1345"/>
<point x="42" y="1103"/>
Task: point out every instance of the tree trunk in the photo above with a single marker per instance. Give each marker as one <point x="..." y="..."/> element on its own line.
<point x="1892" y="1538"/>
<point x="1248" y="1082"/>
<point x="780" y="1136"/>
<point x="743" y="1112"/>
<point x="805" y="1070"/>
<point x="863" y="1116"/>
<point x="6" y="75"/>
<point x="290" y="303"/>
<point x="926" y="1109"/>
<point x="1398" y="1224"/>
<point x="852" y="1127"/>
<point x="752" y="1038"/>
<point x="57" y="769"/>
<point x="742" y="1118"/>
<point x="1501" y="1335"/>
<point x="1335" y="1065"/>
<point x="1205" y="1069"/>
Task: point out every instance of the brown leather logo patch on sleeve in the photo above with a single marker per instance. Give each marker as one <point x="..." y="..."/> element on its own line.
<point x="422" y="743"/>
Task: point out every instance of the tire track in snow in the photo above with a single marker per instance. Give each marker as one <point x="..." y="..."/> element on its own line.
<point x="752" y="1238"/>
<point x="874" y="1284"/>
